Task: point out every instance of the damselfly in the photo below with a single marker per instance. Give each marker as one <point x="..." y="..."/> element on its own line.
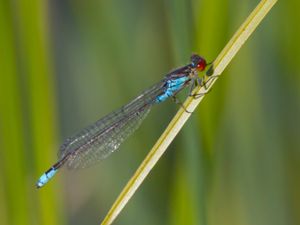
<point x="100" y="139"/>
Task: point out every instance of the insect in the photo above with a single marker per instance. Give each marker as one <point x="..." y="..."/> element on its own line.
<point x="100" y="139"/>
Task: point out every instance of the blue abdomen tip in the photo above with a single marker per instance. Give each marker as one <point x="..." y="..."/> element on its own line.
<point x="46" y="177"/>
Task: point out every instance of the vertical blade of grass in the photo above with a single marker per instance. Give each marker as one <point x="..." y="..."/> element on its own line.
<point x="12" y="171"/>
<point x="190" y="104"/>
<point x="211" y="35"/>
<point x="32" y="36"/>
<point x="185" y="195"/>
<point x="207" y="16"/>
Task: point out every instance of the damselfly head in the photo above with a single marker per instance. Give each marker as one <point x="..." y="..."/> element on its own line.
<point x="198" y="62"/>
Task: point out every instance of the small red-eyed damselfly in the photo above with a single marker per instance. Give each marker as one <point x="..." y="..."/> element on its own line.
<point x="100" y="139"/>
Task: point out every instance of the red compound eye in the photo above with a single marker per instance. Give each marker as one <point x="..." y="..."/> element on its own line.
<point x="198" y="62"/>
<point x="201" y="65"/>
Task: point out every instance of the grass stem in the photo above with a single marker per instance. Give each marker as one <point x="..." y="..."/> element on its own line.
<point x="218" y="66"/>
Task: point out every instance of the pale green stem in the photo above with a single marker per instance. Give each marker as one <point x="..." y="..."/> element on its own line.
<point x="190" y="104"/>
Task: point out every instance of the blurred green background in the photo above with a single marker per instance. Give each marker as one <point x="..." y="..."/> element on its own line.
<point x="65" y="64"/>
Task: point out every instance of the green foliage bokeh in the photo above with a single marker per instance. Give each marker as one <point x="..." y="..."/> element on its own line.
<point x="65" y="64"/>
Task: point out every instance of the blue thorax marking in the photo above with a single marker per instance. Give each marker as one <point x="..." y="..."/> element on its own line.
<point x="172" y="86"/>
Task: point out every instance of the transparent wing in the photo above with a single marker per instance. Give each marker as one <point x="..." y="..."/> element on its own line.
<point x="100" y="139"/>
